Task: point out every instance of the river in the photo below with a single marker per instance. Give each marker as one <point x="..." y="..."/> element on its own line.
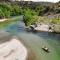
<point x="34" y="41"/>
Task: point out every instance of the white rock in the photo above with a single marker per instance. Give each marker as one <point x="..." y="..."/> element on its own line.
<point x="13" y="50"/>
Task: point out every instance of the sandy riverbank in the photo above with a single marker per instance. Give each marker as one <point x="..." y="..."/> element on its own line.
<point x="2" y="20"/>
<point x="13" y="50"/>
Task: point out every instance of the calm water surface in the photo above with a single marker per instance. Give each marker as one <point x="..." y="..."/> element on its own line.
<point x="34" y="41"/>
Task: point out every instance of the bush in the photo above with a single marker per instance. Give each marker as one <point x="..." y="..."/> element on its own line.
<point x="7" y="10"/>
<point x="55" y="21"/>
<point x="16" y="10"/>
<point x="1" y="14"/>
<point x="29" y="16"/>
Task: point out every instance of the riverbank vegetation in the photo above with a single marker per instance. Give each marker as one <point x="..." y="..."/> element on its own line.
<point x="9" y="20"/>
<point x="40" y="12"/>
<point x="30" y="12"/>
<point x="7" y="10"/>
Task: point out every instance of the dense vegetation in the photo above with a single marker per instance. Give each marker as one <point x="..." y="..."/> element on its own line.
<point x="7" y="10"/>
<point x="32" y="11"/>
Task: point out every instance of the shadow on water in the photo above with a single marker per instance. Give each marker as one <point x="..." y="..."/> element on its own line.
<point x="47" y="35"/>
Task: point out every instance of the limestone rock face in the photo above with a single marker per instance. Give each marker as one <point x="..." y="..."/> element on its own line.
<point x="13" y="50"/>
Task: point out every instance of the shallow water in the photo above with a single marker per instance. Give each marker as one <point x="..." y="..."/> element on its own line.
<point x="34" y="41"/>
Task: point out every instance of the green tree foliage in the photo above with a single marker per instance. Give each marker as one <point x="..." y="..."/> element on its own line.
<point x="1" y="14"/>
<point x="29" y="16"/>
<point x="7" y="10"/>
<point x="16" y="10"/>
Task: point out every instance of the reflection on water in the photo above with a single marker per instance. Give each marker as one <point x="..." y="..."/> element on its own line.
<point x="35" y="41"/>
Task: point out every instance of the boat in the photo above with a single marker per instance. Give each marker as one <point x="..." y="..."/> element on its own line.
<point x="46" y="49"/>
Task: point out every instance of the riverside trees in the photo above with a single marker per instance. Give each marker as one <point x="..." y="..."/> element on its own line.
<point x="8" y="9"/>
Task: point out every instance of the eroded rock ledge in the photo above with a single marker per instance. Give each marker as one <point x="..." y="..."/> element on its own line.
<point x="13" y="50"/>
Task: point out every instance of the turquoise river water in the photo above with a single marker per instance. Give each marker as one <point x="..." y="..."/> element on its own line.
<point x="34" y="41"/>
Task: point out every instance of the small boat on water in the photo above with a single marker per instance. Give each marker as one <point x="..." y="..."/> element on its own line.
<point x="46" y="49"/>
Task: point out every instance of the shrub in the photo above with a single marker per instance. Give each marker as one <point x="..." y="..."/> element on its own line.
<point x="1" y="14"/>
<point x="29" y="16"/>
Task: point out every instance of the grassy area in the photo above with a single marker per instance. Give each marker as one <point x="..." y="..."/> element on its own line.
<point x="46" y="20"/>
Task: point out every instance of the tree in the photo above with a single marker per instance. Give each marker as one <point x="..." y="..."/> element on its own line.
<point x="29" y="17"/>
<point x="1" y="14"/>
<point x="40" y="9"/>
